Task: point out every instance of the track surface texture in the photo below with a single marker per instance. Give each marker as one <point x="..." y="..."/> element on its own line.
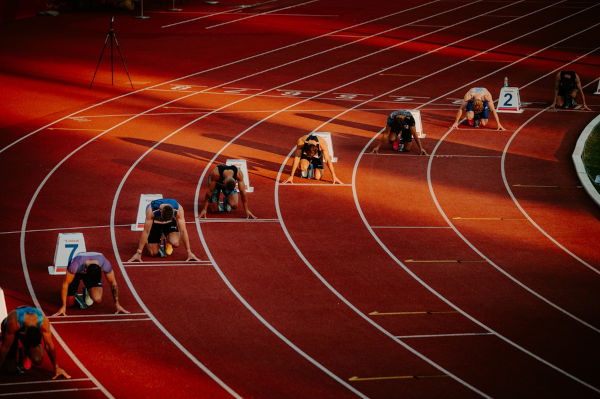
<point x="473" y="271"/>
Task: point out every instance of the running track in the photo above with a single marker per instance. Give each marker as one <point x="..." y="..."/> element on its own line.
<point x="472" y="272"/>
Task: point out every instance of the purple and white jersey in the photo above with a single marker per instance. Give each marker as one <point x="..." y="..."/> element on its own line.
<point x="77" y="265"/>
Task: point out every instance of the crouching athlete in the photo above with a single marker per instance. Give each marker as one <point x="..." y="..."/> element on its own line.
<point x="309" y="156"/>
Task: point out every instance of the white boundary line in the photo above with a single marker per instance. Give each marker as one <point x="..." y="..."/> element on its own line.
<point x="55" y="321"/>
<point x="431" y="158"/>
<point x="47" y="391"/>
<point x="260" y="14"/>
<point x="485" y="333"/>
<point x="28" y="211"/>
<point x="8" y="384"/>
<point x="518" y="204"/>
<point x="6" y="147"/>
<point x="289" y="238"/>
<point x="113" y="211"/>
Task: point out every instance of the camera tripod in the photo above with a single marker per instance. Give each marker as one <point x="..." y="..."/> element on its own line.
<point x="113" y="39"/>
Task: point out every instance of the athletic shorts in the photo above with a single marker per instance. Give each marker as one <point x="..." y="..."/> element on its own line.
<point x="216" y="194"/>
<point x="74" y="286"/>
<point x="483" y="114"/>
<point x="158" y="229"/>
<point x="316" y="162"/>
<point x="405" y="134"/>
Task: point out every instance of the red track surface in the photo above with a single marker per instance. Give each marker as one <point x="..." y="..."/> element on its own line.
<point x="476" y="268"/>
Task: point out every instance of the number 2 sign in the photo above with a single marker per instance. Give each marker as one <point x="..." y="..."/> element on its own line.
<point x="509" y="100"/>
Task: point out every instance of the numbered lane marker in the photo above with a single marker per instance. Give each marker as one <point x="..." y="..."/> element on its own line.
<point x="327" y="137"/>
<point x="243" y="166"/>
<point x="145" y="200"/>
<point x="67" y="246"/>
<point x="418" y="124"/>
<point x="598" y="88"/>
<point x="509" y="100"/>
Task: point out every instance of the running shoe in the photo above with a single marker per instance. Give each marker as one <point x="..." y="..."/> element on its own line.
<point x="87" y="298"/>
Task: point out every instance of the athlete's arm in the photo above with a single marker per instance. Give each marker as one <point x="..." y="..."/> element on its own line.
<point x="210" y="187"/>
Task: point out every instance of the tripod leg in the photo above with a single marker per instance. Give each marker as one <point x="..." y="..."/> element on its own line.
<point x="112" y="68"/>
<point x="123" y="60"/>
<point x="99" y="59"/>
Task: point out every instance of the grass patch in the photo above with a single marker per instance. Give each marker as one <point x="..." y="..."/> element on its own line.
<point x="591" y="156"/>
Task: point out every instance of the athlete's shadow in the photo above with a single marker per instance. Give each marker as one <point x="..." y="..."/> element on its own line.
<point x="342" y="122"/>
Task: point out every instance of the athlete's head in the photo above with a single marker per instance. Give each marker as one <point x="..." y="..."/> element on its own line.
<point x="229" y="183"/>
<point x="32" y="337"/>
<point x="477" y="106"/>
<point x="166" y="213"/>
<point x="311" y="149"/>
<point x="93" y="273"/>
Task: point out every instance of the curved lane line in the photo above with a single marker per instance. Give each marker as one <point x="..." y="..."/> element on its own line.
<point x="34" y="197"/>
<point x="42" y="184"/>
<point x="210" y="70"/>
<point x="430" y="288"/>
<point x="564" y="311"/>
<point x="509" y="190"/>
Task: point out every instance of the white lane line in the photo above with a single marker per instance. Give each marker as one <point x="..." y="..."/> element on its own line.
<point x="410" y="227"/>
<point x="8" y="384"/>
<point x="169" y="264"/>
<point x="236" y="220"/>
<point x="98" y="321"/>
<point x="564" y="311"/>
<point x="484" y="333"/>
<point x="123" y="269"/>
<point x="524" y="350"/>
<point x="215" y="68"/>
<point x="260" y="14"/>
<point x="95" y="315"/>
<point x="248" y="306"/>
<point x="231" y="11"/>
<point x="48" y="391"/>
<point x="28" y="211"/>
<point x="507" y="185"/>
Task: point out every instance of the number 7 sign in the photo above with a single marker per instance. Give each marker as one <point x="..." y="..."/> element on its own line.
<point x="67" y="246"/>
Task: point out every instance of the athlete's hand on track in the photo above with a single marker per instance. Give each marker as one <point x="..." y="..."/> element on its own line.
<point x="191" y="257"/>
<point x="61" y="312"/>
<point x="60" y="372"/>
<point x="120" y="309"/>
<point x="136" y="258"/>
<point x="288" y="180"/>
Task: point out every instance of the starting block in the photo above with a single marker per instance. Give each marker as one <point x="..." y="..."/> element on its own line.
<point x="145" y="200"/>
<point x="418" y="124"/>
<point x="509" y="100"/>
<point x="3" y="311"/>
<point x="243" y="166"/>
<point x="67" y="246"/>
<point x="327" y="137"/>
<point x="598" y="88"/>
